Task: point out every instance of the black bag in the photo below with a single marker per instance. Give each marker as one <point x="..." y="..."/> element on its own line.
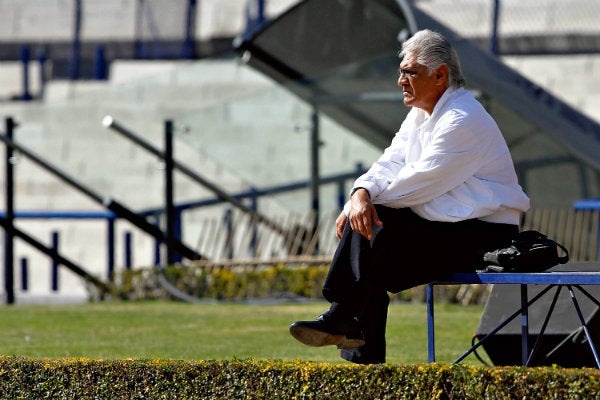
<point x="530" y="251"/>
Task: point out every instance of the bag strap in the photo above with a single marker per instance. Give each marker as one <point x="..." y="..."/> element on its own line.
<point x="564" y="258"/>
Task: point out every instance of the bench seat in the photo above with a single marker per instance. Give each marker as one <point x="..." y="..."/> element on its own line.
<point x="571" y="276"/>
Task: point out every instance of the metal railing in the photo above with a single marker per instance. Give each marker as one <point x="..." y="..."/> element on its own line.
<point x="119" y="210"/>
<point x="114" y="210"/>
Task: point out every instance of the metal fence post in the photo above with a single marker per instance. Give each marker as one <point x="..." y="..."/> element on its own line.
<point x="494" y="34"/>
<point x="76" y="45"/>
<point x="228" y="222"/>
<point x="24" y="274"/>
<point x="100" y="69"/>
<point x="315" y="179"/>
<point x="110" y="248"/>
<point x="9" y="261"/>
<point x="255" y="16"/>
<point x="128" y="254"/>
<point x="169" y="206"/>
<point x="315" y="143"/>
<point x="25" y="58"/>
<point x="54" y="265"/>
<point x="42" y="61"/>
<point x="189" y="47"/>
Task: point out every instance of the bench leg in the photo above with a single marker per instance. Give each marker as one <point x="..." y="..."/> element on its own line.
<point x="430" y="323"/>
<point x="524" y="326"/>
<point x="588" y="295"/>
<point x="503" y="324"/>
<point x="544" y="325"/>
<point x="584" y="325"/>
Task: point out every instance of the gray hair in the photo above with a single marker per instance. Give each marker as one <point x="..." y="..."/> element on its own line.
<point x="432" y="50"/>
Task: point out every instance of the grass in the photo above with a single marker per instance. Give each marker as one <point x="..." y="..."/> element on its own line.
<point x="171" y="330"/>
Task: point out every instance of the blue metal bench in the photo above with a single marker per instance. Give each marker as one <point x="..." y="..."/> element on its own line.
<point x="570" y="280"/>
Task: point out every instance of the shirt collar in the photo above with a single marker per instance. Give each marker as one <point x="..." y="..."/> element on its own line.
<point x="441" y="103"/>
<point x="421" y="115"/>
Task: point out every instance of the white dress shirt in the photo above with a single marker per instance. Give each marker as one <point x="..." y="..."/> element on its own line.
<point x="449" y="166"/>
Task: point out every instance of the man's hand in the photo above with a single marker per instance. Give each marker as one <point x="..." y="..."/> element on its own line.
<point x="362" y="214"/>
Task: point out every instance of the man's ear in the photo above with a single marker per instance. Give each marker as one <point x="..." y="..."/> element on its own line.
<point x="441" y="74"/>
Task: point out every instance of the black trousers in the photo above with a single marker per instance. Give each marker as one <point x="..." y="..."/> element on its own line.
<point x="408" y="251"/>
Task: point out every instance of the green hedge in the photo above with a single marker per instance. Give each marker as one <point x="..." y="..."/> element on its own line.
<point x="238" y="283"/>
<point x="249" y="379"/>
<point x="223" y="283"/>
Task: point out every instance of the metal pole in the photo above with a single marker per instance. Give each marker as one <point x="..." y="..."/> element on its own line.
<point x="584" y="326"/>
<point x="26" y="95"/>
<point x="138" y="45"/>
<point x="42" y="62"/>
<point x="53" y="254"/>
<point x="255" y="16"/>
<point x="128" y="254"/>
<point x="189" y="50"/>
<point x="109" y="122"/>
<point x="54" y="265"/>
<point x="315" y="142"/>
<point x="117" y="208"/>
<point x="494" y="35"/>
<point x="100" y="64"/>
<point x="169" y="205"/>
<point x="24" y="274"/>
<point x="76" y="47"/>
<point x="228" y="222"/>
<point x="524" y="325"/>
<point x="430" y="323"/>
<point x="314" y="160"/>
<point x="9" y="277"/>
<point x="110" y="249"/>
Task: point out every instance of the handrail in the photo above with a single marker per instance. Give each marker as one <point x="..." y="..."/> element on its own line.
<point x="119" y="209"/>
<point x="109" y="122"/>
<point x="261" y="192"/>
<point x="183" y="206"/>
<point x="54" y="255"/>
<point x="79" y="214"/>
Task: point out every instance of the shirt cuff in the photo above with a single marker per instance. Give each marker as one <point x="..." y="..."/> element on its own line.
<point x="357" y="188"/>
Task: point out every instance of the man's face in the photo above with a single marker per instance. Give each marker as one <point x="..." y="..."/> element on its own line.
<point x="419" y="88"/>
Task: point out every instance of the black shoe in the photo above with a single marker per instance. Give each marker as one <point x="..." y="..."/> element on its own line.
<point x="327" y="331"/>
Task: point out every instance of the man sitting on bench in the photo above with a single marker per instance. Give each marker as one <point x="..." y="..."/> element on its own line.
<point x="443" y="193"/>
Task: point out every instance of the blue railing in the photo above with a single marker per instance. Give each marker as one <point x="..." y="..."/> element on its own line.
<point x="175" y="248"/>
<point x="108" y="216"/>
<point x="340" y="180"/>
